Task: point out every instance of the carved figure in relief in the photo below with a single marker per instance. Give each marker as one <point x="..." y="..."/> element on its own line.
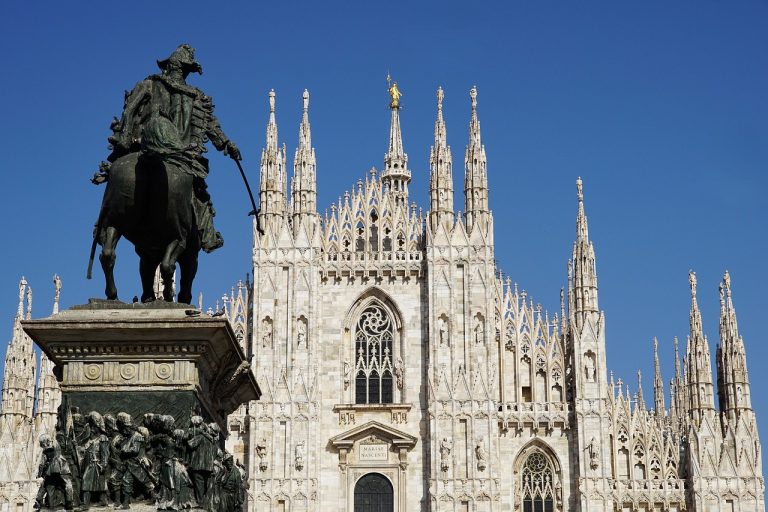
<point x="202" y="451"/>
<point x="593" y="450"/>
<point x="301" y="333"/>
<point x="133" y="456"/>
<point x="95" y="461"/>
<point x="399" y="372"/>
<point x="299" y="456"/>
<point x="56" y="475"/>
<point x="347" y="373"/>
<point x="446" y="445"/>
<point x="261" y="453"/>
<point x="229" y="487"/>
<point x="266" y="333"/>
<point x="481" y="455"/>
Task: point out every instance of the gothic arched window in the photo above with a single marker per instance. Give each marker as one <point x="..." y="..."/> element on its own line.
<point x="374" y="335"/>
<point x="537" y="484"/>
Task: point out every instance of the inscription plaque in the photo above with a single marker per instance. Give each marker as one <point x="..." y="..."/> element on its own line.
<point x="374" y="452"/>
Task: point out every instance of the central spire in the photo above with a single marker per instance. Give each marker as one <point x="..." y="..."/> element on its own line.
<point x="396" y="175"/>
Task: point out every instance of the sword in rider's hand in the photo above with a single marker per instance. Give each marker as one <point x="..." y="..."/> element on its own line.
<point x="255" y="210"/>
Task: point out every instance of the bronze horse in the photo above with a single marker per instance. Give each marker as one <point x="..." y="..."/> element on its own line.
<point x="150" y="204"/>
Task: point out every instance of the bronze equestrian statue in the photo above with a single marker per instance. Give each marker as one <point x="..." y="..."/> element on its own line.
<point x="156" y="195"/>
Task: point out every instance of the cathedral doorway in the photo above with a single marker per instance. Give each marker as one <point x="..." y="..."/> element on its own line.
<point x="374" y="493"/>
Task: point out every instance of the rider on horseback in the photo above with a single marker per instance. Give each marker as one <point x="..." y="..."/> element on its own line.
<point x="168" y="120"/>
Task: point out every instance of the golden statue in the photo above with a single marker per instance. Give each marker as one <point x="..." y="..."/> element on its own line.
<point x="394" y="93"/>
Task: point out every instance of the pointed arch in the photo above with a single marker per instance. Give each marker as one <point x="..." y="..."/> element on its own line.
<point x="537" y="473"/>
<point x="372" y="332"/>
<point x="371" y="295"/>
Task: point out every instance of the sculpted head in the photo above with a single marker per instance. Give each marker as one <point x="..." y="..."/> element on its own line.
<point x="124" y="420"/>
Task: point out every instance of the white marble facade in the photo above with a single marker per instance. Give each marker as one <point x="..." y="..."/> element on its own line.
<point x="400" y="368"/>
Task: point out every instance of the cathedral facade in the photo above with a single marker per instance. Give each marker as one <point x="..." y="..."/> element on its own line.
<point x="401" y="371"/>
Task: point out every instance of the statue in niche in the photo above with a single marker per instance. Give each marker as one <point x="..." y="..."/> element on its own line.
<point x="261" y="453"/>
<point x="299" y="456"/>
<point x="399" y="372"/>
<point x="446" y="445"/>
<point x="481" y="455"/>
<point x="479" y="330"/>
<point x="443" y="331"/>
<point x="589" y="367"/>
<point x="266" y="332"/>
<point x="301" y="333"/>
<point x="94" y="461"/>
<point x="56" y="475"/>
<point x="593" y="450"/>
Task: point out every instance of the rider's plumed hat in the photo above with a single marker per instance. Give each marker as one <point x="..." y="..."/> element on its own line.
<point x="183" y="56"/>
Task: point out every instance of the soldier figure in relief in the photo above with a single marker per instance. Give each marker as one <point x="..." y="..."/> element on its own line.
<point x="95" y="461"/>
<point x="56" y="475"/>
<point x="133" y="455"/>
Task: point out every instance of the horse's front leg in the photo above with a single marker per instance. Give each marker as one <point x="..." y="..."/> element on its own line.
<point x="168" y="268"/>
<point x="107" y="259"/>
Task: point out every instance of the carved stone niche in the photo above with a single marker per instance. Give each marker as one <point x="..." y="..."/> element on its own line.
<point x="138" y="358"/>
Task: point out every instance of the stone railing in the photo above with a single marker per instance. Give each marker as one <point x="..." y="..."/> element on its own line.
<point x="518" y="414"/>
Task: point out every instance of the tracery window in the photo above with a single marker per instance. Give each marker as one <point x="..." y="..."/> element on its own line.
<point x="374" y="335"/>
<point x="537" y="484"/>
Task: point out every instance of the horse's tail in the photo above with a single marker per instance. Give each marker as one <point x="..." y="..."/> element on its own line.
<point x="96" y="231"/>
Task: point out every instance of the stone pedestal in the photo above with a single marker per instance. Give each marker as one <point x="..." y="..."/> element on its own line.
<point x="161" y="358"/>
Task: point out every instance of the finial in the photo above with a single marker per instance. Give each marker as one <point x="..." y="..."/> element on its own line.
<point x="579" y="189"/>
<point x="440" y="96"/>
<point x="56" y="293"/>
<point x="305" y="96"/>
<point x="692" y="281"/>
<point x="727" y="284"/>
<point x="29" y="303"/>
<point x="272" y="101"/>
<point x="656" y="347"/>
<point x="473" y="96"/>
<point x="22" y="288"/>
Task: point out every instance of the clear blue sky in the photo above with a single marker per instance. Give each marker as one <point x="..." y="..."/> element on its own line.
<point x="661" y="107"/>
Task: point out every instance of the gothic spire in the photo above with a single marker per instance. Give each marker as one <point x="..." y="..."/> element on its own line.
<point x="475" y="172"/>
<point x="640" y="396"/>
<point x="20" y="362"/>
<point x="732" y="375"/>
<point x="583" y="285"/>
<point x="304" y="181"/>
<point x="658" y="382"/>
<point x="441" y="174"/>
<point x="698" y="369"/>
<point x="396" y="175"/>
<point x="272" y="179"/>
<point x="48" y="392"/>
